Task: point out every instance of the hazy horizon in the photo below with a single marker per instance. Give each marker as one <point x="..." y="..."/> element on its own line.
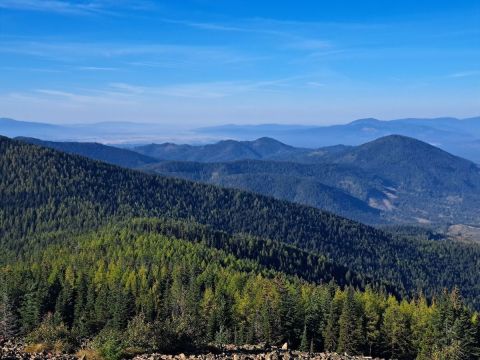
<point x="199" y="126"/>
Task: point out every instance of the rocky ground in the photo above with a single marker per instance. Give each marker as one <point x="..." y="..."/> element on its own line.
<point x="268" y="355"/>
<point x="14" y="352"/>
<point x="10" y="351"/>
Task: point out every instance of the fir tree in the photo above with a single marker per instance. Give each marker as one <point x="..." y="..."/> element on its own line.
<point x="304" y="343"/>
<point x="332" y="328"/>
<point x="8" y="319"/>
<point x="350" y="326"/>
<point x="30" y="311"/>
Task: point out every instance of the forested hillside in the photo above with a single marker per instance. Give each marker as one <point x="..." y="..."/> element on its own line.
<point x="140" y="286"/>
<point x="48" y="194"/>
<point x="343" y="190"/>
<point x="428" y="167"/>
<point x="96" y="151"/>
<point x="394" y="180"/>
<point x="391" y="180"/>
<point x="226" y="150"/>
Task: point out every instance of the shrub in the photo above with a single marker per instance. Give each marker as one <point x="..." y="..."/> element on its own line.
<point x="110" y="344"/>
<point x="49" y="336"/>
<point x="139" y="336"/>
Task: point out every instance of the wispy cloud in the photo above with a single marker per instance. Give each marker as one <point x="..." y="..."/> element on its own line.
<point x="147" y="54"/>
<point x="274" y="26"/>
<point x="73" y="7"/>
<point x="96" y="68"/>
<point x="316" y="25"/>
<point x="209" y="25"/>
<point x="315" y="84"/>
<point x="294" y="37"/>
<point x="31" y="69"/>
<point x="77" y="98"/>
<point x="309" y="44"/>
<point x="463" y="74"/>
<point x="128" y="88"/>
<point x="56" y="6"/>
<point x="204" y="90"/>
<point x="119" y="93"/>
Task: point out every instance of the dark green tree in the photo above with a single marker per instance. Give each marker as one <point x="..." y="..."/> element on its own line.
<point x="8" y="317"/>
<point x="351" y="337"/>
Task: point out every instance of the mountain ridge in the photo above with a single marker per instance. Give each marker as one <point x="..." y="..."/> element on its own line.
<point x="224" y="150"/>
<point x="458" y="136"/>
<point x="96" y="151"/>
<point x="409" y="181"/>
<point x="394" y="179"/>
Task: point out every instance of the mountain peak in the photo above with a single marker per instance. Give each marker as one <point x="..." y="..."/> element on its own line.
<point x="397" y="138"/>
<point x="366" y="121"/>
<point x="402" y="143"/>
<point x="413" y="164"/>
<point x="265" y="141"/>
<point x="402" y="148"/>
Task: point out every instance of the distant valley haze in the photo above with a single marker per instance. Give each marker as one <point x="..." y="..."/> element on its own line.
<point x="458" y="136"/>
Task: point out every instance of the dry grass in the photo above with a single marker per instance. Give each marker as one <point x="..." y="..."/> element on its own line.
<point x="58" y="347"/>
<point x="88" y="354"/>
<point x="36" y="348"/>
<point x="133" y="351"/>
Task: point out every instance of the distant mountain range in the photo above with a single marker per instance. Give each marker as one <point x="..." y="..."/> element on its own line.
<point x="392" y="180"/>
<point x="226" y="150"/>
<point x="457" y="136"/>
<point x="460" y="137"/>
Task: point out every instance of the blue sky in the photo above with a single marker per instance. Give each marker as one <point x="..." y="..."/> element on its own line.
<point x="204" y="62"/>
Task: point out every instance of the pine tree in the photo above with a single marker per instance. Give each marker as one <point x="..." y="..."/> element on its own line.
<point x="373" y="309"/>
<point x="221" y="337"/>
<point x="30" y="311"/>
<point x="208" y="315"/>
<point x="350" y="326"/>
<point x="289" y="314"/>
<point x="396" y="329"/>
<point x="105" y="302"/>
<point x="64" y="307"/>
<point x="304" y="343"/>
<point x="314" y="320"/>
<point x="123" y="309"/>
<point x="332" y="330"/>
<point x="8" y="319"/>
<point x="464" y="334"/>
